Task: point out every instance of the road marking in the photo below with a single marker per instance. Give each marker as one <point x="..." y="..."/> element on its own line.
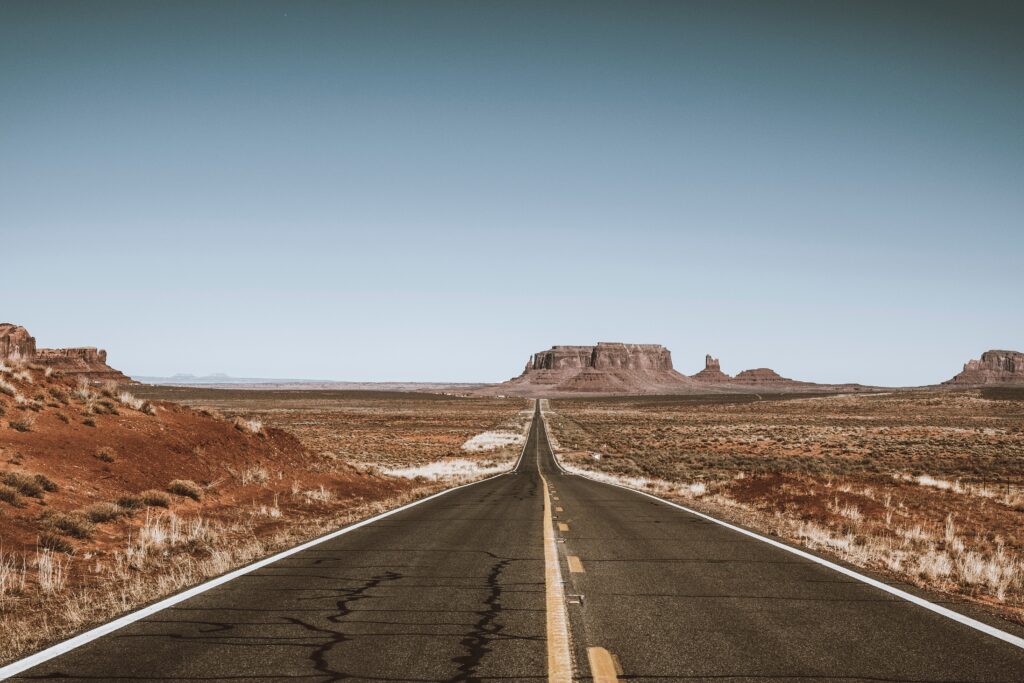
<point x="555" y="498"/>
<point x="562" y="526"/>
<point x="1016" y="641"/>
<point x="602" y="666"/>
<point x="559" y="657"/>
<point x="558" y="509"/>
<point x="130" y="618"/>
<point x="575" y="566"/>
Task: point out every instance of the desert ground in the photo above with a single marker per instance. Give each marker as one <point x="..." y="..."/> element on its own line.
<point x="923" y="486"/>
<point x="111" y="497"/>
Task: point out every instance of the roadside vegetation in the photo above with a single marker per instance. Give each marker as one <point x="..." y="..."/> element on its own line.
<point x="114" y="497"/>
<point x="926" y="487"/>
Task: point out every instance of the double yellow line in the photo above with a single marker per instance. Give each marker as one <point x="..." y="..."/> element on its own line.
<point x="559" y="654"/>
<point x="602" y="664"/>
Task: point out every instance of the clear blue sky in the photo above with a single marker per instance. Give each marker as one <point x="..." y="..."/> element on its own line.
<point x="432" y="191"/>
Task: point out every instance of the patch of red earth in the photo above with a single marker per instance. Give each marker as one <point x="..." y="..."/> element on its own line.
<point x="150" y="451"/>
<point x="910" y="505"/>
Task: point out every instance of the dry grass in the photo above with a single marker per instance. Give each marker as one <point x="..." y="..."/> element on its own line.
<point x="925" y="486"/>
<point x="32" y="485"/>
<point x="154" y="498"/>
<point x="269" y="504"/>
<point x="98" y="513"/>
<point x="74" y="524"/>
<point x="186" y="488"/>
<point x="250" y="425"/>
<point x="168" y="554"/>
<point x="256" y="474"/>
<point x="22" y="424"/>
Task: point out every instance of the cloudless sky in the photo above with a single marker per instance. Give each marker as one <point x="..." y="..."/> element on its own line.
<point x="434" y="190"/>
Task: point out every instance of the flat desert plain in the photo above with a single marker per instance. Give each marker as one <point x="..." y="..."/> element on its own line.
<point x="925" y="487"/>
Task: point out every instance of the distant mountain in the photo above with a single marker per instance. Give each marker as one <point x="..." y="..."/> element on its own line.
<point x="187" y="379"/>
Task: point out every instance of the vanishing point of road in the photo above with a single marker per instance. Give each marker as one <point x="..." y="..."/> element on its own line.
<point x="539" y="575"/>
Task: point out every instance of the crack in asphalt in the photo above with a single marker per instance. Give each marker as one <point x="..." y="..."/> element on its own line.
<point x="484" y="631"/>
<point x="335" y="637"/>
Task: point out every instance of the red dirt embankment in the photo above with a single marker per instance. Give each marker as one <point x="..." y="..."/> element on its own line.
<point x="108" y="501"/>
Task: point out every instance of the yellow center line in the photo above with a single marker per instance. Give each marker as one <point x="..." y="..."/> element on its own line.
<point x="559" y="657"/>
<point x="602" y="665"/>
<point x="575" y="566"/>
<point x="562" y="526"/>
<point x="558" y="509"/>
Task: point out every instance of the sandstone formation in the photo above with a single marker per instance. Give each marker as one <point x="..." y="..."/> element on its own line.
<point x="15" y="342"/>
<point x="604" y="368"/>
<point x="87" y="361"/>
<point x="994" y="367"/>
<point x="755" y="378"/>
<point x="83" y="361"/>
<point x="712" y="372"/>
<point x="763" y="376"/>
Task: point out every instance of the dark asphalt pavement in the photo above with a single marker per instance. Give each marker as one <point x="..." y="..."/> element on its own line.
<point x="453" y="590"/>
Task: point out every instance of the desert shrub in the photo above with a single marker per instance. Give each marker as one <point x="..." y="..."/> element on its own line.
<point x="155" y="498"/>
<point x="105" y="455"/>
<point x="25" y="484"/>
<point x="184" y="487"/>
<point x="48" y="484"/>
<point x="131" y="502"/>
<point x="104" y="512"/>
<point x="73" y="524"/>
<point x="3" y="410"/>
<point x="127" y="399"/>
<point x="109" y="389"/>
<point x="22" y="424"/>
<point x="59" y="394"/>
<point x="253" y="426"/>
<point x="58" y="544"/>
<point x="105" y="407"/>
<point x="9" y="495"/>
<point x="89" y="422"/>
<point x="256" y="474"/>
<point x="83" y="391"/>
<point x="63" y="418"/>
<point x="148" y="408"/>
<point x="7" y="388"/>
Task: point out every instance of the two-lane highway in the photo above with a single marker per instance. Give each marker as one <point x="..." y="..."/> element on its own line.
<point x="540" y="575"/>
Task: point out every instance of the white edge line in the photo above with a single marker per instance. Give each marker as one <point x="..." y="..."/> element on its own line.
<point x="81" y="639"/>
<point x="1016" y="641"/>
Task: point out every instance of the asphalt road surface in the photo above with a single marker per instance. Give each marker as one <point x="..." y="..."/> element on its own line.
<point x="454" y="589"/>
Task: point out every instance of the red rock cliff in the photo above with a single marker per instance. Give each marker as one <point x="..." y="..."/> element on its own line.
<point x="607" y="367"/>
<point x="994" y="367"/>
<point x="16" y="342"/>
<point x="86" y="361"/>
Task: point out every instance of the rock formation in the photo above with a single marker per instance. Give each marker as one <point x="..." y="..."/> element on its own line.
<point x="994" y="367"/>
<point x="757" y="377"/>
<point x="15" y="342"/>
<point x="762" y="376"/>
<point x="82" y="361"/>
<point x="604" y="368"/>
<point x="712" y="372"/>
<point x="87" y="361"/>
